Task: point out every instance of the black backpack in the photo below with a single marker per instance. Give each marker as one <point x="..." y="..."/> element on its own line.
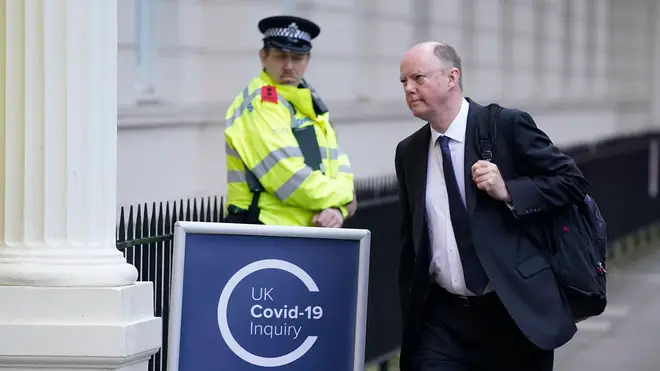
<point x="573" y="238"/>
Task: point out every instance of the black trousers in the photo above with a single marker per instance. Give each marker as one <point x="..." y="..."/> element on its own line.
<point x="474" y="334"/>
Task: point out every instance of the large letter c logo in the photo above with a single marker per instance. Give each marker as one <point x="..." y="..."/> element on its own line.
<point x="223" y="324"/>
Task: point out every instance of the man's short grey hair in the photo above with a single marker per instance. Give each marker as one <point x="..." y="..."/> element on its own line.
<point x="449" y="59"/>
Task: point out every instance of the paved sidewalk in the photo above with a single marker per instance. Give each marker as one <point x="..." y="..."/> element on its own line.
<point x="627" y="336"/>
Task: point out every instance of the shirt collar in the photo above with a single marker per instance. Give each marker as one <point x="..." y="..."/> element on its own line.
<point x="457" y="128"/>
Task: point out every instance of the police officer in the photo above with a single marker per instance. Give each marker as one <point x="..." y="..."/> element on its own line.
<point x="284" y="165"/>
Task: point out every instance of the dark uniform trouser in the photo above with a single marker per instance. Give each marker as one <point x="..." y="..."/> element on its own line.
<point x="480" y="336"/>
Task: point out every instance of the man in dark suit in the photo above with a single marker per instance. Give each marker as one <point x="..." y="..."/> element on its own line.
<point x="475" y="293"/>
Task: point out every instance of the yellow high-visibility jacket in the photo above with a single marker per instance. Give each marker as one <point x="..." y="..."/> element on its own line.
<point x="259" y="137"/>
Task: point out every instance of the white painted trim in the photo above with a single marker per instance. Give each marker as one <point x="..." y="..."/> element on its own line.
<point x="213" y="113"/>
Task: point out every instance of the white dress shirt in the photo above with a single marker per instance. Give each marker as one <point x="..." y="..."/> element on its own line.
<point x="446" y="267"/>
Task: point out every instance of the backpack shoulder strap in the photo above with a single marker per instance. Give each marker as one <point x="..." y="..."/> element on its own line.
<point x="487" y="131"/>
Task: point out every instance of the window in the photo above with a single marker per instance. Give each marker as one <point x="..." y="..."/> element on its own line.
<point x="144" y="50"/>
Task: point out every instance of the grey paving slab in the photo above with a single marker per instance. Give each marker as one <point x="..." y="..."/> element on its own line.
<point x="627" y="336"/>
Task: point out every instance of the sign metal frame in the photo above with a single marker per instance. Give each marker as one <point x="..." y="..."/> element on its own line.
<point x="182" y="228"/>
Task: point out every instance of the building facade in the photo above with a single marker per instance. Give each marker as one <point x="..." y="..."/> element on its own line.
<point x="583" y="68"/>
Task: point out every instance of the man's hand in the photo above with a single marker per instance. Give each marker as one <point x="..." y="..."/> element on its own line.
<point x="328" y="218"/>
<point x="487" y="177"/>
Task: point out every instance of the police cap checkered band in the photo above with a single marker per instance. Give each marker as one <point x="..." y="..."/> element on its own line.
<point x="285" y="26"/>
<point x="292" y="32"/>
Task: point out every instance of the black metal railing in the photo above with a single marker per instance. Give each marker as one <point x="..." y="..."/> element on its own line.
<point x="618" y="171"/>
<point x="146" y="238"/>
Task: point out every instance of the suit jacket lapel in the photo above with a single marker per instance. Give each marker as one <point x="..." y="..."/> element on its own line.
<point x="419" y="166"/>
<point x="471" y="156"/>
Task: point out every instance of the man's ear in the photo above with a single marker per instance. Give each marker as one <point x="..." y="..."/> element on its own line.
<point x="454" y="77"/>
<point x="262" y="55"/>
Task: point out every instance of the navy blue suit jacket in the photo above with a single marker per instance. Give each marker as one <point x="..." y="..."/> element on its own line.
<point x="539" y="178"/>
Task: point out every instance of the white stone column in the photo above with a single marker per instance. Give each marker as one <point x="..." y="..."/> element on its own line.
<point x="69" y="299"/>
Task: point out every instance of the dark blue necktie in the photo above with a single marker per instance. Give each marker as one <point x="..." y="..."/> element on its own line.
<point x="475" y="277"/>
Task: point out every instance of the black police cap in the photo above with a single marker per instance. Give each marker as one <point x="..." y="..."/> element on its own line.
<point x="289" y="33"/>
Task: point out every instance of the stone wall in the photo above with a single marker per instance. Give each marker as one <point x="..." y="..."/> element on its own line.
<point x="583" y="68"/>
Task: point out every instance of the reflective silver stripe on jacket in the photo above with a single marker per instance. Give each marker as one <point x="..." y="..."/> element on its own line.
<point x="263" y="167"/>
<point x="229" y="151"/>
<point x="247" y="103"/>
<point x="334" y="155"/>
<point x="334" y="152"/>
<point x="293" y="183"/>
<point x="236" y="176"/>
<point x="273" y="158"/>
<point x="345" y="169"/>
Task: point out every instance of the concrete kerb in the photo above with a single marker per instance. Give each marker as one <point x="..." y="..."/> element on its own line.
<point x="630" y="246"/>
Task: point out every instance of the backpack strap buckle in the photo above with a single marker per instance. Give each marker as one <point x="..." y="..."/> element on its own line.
<point x="486" y="150"/>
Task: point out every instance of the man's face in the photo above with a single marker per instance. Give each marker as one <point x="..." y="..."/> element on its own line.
<point x="284" y="68"/>
<point x="425" y="83"/>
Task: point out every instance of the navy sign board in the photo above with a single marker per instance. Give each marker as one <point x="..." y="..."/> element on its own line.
<point x="255" y="297"/>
